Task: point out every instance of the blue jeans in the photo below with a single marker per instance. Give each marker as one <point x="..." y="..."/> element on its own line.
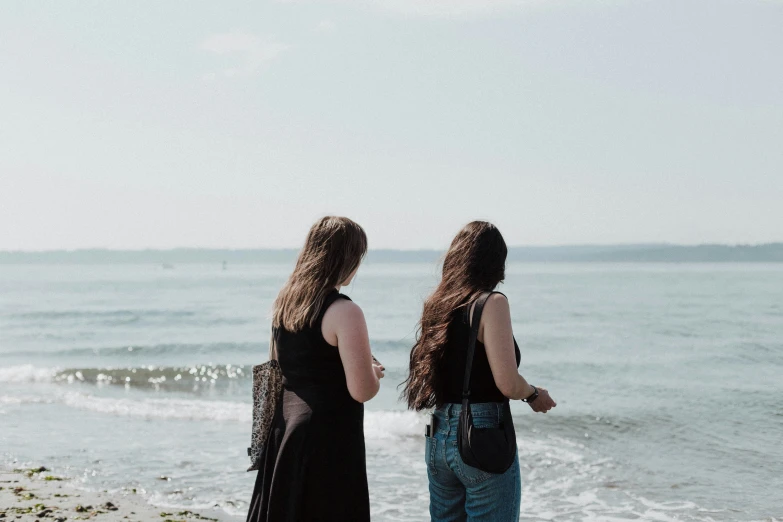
<point x="459" y="492"/>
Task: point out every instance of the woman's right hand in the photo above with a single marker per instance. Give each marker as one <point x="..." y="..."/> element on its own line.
<point x="378" y="369"/>
<point x="543" y="402"/>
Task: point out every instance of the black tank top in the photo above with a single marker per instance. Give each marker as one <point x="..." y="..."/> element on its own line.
<point x="452" y="368"/>
<point x="312" y="368"/>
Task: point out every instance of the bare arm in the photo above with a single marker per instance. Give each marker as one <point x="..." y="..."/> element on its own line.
<point x="496" y="333"/>
<point x="344" y="326"/>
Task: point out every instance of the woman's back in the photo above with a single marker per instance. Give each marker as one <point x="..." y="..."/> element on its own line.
<point x="312" y="367"/>
<point x="451" y="371"/>
<point x="474" y="263"/>
<point x="314" y="463"/>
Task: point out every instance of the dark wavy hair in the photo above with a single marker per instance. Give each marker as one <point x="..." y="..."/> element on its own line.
<point x="474" y="263"/>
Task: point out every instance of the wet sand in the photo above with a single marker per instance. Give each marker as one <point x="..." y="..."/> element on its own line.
<point x="37" y="495"/>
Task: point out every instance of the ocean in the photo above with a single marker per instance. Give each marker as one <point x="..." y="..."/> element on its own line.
<point x="668" y="379"/>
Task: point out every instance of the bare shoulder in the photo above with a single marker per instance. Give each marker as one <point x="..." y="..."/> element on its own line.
<point x="496" y="311"/>
<point x="497" y="304"/>
<point x="343" y="310"/>
<point x="341" y="316"/>
<point x="496" y="316"/>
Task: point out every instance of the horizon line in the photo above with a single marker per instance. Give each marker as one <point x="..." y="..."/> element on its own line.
<point x="381" y="249"/>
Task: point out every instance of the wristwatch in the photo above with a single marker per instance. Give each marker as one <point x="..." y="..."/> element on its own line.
<point x="532" y="397"/>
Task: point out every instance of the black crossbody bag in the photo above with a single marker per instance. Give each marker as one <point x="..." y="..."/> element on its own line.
<point x="489" y="449"/>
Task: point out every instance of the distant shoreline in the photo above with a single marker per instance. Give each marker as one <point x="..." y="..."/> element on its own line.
<point x="641" y="253"/>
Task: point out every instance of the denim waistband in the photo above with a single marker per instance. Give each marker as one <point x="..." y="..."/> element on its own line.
<point x="450" y="410"/>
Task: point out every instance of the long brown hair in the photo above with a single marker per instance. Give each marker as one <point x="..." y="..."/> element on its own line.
<point x="474" y="263"/>
<point x="334" y="248"/>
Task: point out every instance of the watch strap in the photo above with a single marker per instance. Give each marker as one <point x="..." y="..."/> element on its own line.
<point x="531" y="397"/>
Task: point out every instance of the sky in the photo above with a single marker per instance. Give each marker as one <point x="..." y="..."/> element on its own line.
<point x="160" y="124"/>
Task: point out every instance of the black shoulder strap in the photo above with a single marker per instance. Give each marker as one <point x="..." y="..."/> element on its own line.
<point x="474" y="328"/>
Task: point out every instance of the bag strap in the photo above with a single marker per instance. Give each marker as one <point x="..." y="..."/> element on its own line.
<point x="272" y="346"/>
<point x="474" y="328"/>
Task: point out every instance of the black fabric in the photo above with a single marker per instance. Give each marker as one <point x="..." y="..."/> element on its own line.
<point x="314" y="464"/>
<point x="489" y="449"/>
<point x="452" y="368"/>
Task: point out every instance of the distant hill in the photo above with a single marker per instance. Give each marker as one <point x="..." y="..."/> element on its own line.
<point x="641" y="253"/>
<point x="653" y="253"/>
<point x="573" y="253"/>
<point x="174" y="256"/>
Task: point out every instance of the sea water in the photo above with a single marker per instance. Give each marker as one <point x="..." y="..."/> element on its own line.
<point x="668" y="378"/>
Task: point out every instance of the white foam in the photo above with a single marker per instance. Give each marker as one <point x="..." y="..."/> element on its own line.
<point x="22" y="399"/>
<point x="185" y="409"/>
<point x="665" y="506"/>
<point x="204" y="504"/>
<point x="26" y="373"/>
<point x="561" y="479"/>
<point x="384" y="425"/>
<point x="378" y="425"/>
<point x="554" y="449"/>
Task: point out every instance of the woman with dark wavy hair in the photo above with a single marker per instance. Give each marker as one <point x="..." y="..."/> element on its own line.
<point x="313" y="465"/>
<point x="474" y="264"/>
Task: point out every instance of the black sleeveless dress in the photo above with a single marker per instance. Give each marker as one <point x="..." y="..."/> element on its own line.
<point x="314" y="463"/>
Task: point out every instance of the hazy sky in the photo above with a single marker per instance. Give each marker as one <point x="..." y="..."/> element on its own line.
<point x="237" y="124"/>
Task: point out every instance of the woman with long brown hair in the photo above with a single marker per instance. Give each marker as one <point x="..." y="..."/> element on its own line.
<point x="474" y="265"/>
<point x="313" y="466"/>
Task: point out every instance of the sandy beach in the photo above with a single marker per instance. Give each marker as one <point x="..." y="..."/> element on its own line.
<point x="37" y="495"/>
